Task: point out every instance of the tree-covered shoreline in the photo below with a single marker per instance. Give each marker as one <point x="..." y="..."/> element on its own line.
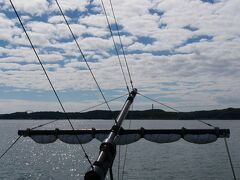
<point x="158" y="114"/>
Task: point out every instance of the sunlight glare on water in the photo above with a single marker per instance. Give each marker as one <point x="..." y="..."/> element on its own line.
<point x="145" y="160"/>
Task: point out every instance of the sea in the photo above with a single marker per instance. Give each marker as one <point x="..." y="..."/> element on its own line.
<point x="145" y="160"/>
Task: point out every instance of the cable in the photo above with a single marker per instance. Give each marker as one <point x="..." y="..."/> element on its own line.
<point x="111" y="173"/>
<point x="45" y="72"/>
<point x="126" y="148"/>
<point x="119" y="161"/>
<point x="208" y="124"/>
<point x="103" y="103"/>
<point x="230" y="159"/>
<point x="159" y="103"/>
<point x="50" y="122"/>
<point x="83" y="56"/>
<point x="205" y="123"/>
<point x="14" y="142"/>
<point x="120" y="40"/>
<point x="115" y="46"/>
<point x="124" y="161"/>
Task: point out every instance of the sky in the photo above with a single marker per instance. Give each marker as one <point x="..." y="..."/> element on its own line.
<point x="184" y="53"/>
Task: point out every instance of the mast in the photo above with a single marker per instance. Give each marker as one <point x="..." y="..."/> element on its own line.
<point x="108" y="147"/>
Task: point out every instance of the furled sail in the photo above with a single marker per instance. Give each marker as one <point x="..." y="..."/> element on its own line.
<point x="196" y="136"/>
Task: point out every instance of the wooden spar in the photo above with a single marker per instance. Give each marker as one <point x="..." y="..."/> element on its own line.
<point x="220" y="133"/>
<point x="108" y="147"/>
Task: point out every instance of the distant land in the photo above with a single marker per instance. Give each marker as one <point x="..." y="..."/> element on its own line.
<point x="157" y="114"/>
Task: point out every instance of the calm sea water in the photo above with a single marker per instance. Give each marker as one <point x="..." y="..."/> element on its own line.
<point x="145" y="160"/>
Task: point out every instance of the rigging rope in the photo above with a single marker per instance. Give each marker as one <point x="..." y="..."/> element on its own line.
<point x="45" y="72"/>
<point x="120" y="40"/>
<point x="104" y="103"/>
<point x="14" y="142"/>
<point x="119" y="161"/>
<point x="115" y="46"/>
<point x="229" y="158"/>
<point x="124" y="161"/>
<point x="50" y="122"/>
<point x="159" y="102"/>
<point x="208" y="124"/>
<point x="83" y="56"/>
<point x="126" y="148"/>
<point x="111" y="173"/>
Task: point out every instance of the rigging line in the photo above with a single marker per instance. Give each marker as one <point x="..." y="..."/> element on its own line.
<point x="104" y="103"/>
<point x="208" y="124"/>
<point x="115" y="46"/>
<point x="205" y="123"/>
<point x="111" y="173"/>
<point x="126" y="148"/>
<point x="160" y="103"/>
<point x="230" y="159"/>
<point x="50" y="122"/>
<point x="119" y="161"/>
<point x="120" y="40"/>
<point x="45" y="72"/>
<point x="14" y="142"/>
<point x="124" y="161"/>
<point x="83" y="56"/>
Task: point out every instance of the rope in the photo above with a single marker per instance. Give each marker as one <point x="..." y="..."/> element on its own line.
<point x="83" y="56"/>
<point x="230" y="159"/>
<point x="126" y="148"/>
<point x="120" y="40"/>
<point x="45" y="72"/>
<point x="50" y="122"/>
<point x="111" y="173"/>
<point x="119" y="161"/>
<point x="115" y="46"/>
<point x="208" y="124"/>
<point x="103" y="103"/>
<point x="124" y="161"/>
<point x="14" y="142"/>
<point x="159" y="102"/>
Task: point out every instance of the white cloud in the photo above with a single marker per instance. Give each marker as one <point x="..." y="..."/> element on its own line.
<point x="98" y="20"/>
<point x="5" y="22"/>
<point x="170" y="57"/>
<point x="72" y="5"/>
<point x="57" y="19"/>
<point x="36" y="7"/>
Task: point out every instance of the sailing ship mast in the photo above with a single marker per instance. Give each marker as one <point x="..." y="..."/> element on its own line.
<point x="108" y="146"/>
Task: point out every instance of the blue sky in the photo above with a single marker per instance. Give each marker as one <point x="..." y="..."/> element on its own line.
<point x="184" y="53"/>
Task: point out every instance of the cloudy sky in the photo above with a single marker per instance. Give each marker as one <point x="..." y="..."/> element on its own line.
<point x="185" y="53"/>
